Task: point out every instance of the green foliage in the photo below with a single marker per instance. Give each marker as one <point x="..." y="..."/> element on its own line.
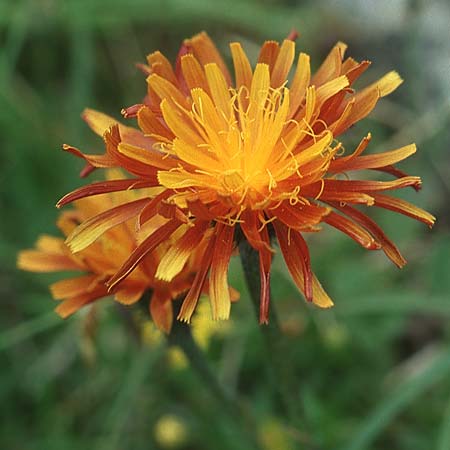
<point x="373" y="373"/>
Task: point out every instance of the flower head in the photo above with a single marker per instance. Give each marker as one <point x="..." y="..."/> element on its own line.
<point x="101" y="259"/>
<point x="260" y="153"/>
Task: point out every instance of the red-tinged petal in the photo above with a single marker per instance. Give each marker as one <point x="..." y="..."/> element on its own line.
<point x="357" y="233"/>
<point x="373" y="161"/>
<point x="95" y="160"/>
<point x="191" y="299"/>
<point x="206" y="52"/>
<point x="162" y="66"/>
<point x="87" y="170"/>
<point x="151" y="208"/>
<point x="296" y="254"/>
<point x="331" y="66"/>
<point x="173" y="261"/>
<point x="104" y="187"/>
<point x="72" y="305"/>
<point x="73" y="287"/>
<point x="161" y="310"/>
<point x="38" y="261"/>
<point x="148" y="245"/>
<point x="152" y="126"/>
<point x="219" y="293"/>
<point x="131" y="111"/>
<point x="364" y="186"/>
<point x="249" y="226"/>
<point x="404" y="207"/>
<point x="391" y="170"/>
<point x="265" y="262"/>
<point x="269" y="53"/>
<point x="300" y="217"/>
<point x="389" y="248"/>
<point x="90" y="230"/>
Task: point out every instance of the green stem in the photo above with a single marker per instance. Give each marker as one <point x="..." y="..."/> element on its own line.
<point x="181" y="336"/>
<point x="278" y="348"/>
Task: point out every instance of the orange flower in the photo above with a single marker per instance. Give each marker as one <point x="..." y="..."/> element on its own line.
<point x="100" y="260"/>
<point x="259" y="153"/>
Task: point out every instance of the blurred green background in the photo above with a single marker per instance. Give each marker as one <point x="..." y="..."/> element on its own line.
<point x="373" y="373"/>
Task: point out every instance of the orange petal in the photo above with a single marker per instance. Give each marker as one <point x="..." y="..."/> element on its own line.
<point x="242" y="67"/>
<point x="104" y="187"/>
<point x="73" y="287"/>
<point x="39" y="261"/>
<point x="161" y="310"/>
<point x="173" y="261"/>
<point x="148" y="245"/>
<point x="373" y="161"/>
<point x="191" y="299"/>
<point x="206" y="52"/>
<point x="193" y="73"/>
<point x="357" y="233"/>
<point x="91" y="229"/>
<point x="268" y="54"/>
<point x="389" y="248"/>
<point x="130" y="293"/>
<point x="265" y="262"/>
<point x="219" y="293"/>
<point x="72" y="305"/>
<point x="97" y="121"/>
<point x="296" y="254"/>
<point x="300" y="217"/>
<point x="283" y="63"/>
<point x="404" y="207"/>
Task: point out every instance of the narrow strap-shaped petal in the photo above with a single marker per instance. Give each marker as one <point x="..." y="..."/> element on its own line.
<point x="173" y="261"/>
<point x="161" y="310"/>
<point x="206" y="52"/>
<point x="283" y="63"/>
<point x="299" y="83"/>
<point x="72" y="305"/>
<point x="389" y="248"/>
<point x="151" y="125"/>
<point x="71" y="287"/>
<point x="265" y="262"/>
<point x="94" y="160"/>
<point x="191" y="299"/>
<point x="98" y="122"/>
<point x="148" y="245"/>
<point x="90" y="230"/>
<point x="268" y="53"/>
<point x="404" y="207"/>
<point x="373" y="161"/>
<point x="161" y="65"/>
<point x="193" y="73"/>
<point x="296" y="254"/>
<point x="129" y="293"/>
<point x="352" y="229"/>
<point x="300" y="217"/>
<point x="219" y="89"/>
<point x="103" y="187"/>
<point x="219" y="293"/>
<point x="394" y="171"/>
<point x="331" y="66"/>
<point x="39" y="261"/>
<point x="242" y="68"/>
<point x="249" y="226"/>
<point x="165" y="89"/>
